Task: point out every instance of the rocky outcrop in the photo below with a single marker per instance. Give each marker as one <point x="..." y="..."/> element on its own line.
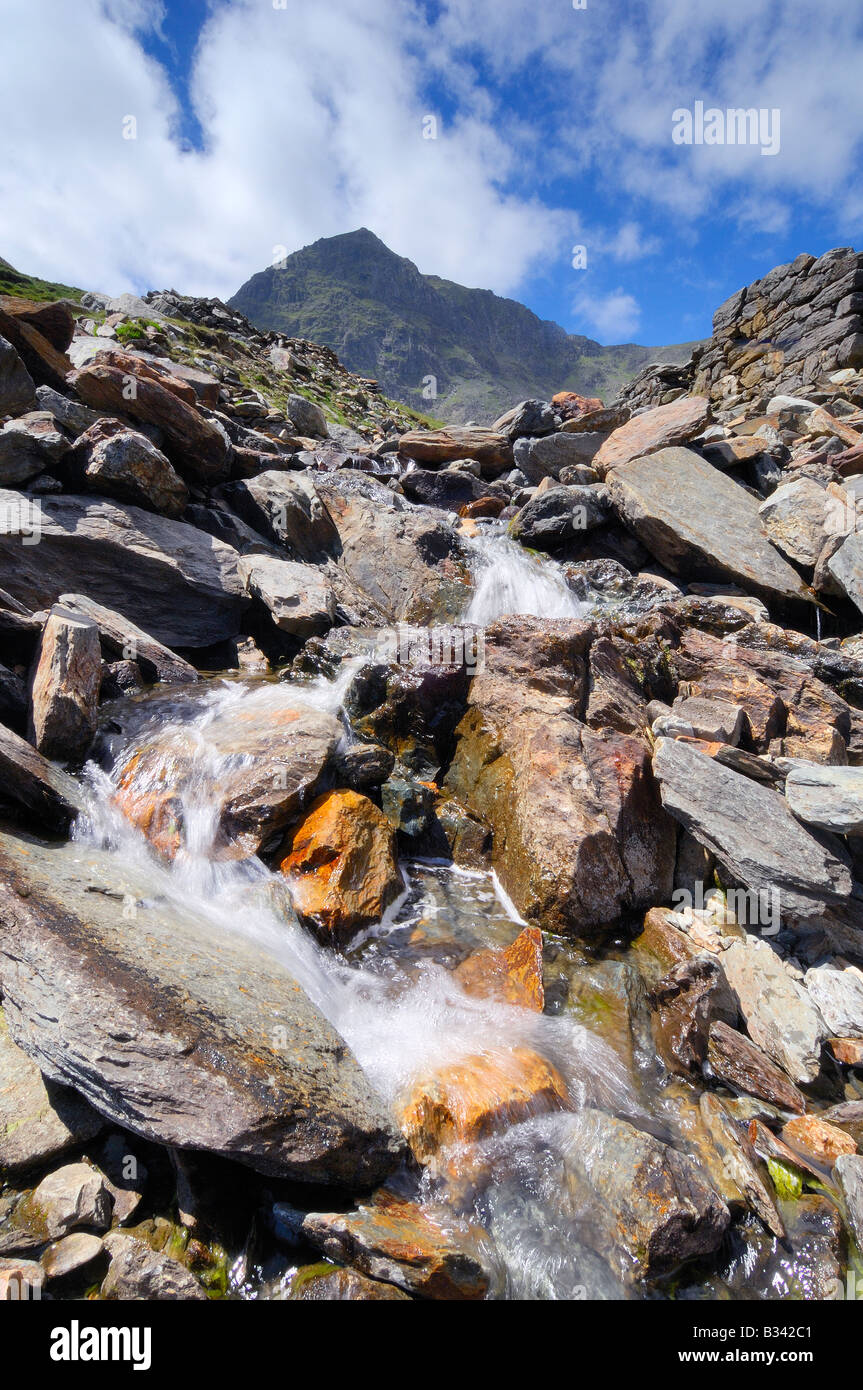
<point x="169" y="578"/>
<point x="579" y="836"/>
<point x="696" y="521"/>
<point x="183" y="1038"/>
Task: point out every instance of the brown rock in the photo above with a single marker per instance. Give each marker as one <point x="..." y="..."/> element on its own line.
<point x="817" y="1139"/>
<point x="65" y="693"/>
<point x="742" y="1066"/>
<point x="46" y="365"/>
<point x="478" y="1096"/>
<point x="655" y="429"/>
<point x="50" y="796"/>
<point x="194" y="444"/>
<point x="323" y="1284"/>
<point x="493" y="451"/>
<point x="684" y="1003"/>
<point x="513" y="974"/>
<point x="662" y="940"/>
<point x="342" y="865"/>
<point x="54" y="319"/>
<point x="848" y="1051"/>
<point x="425" y="1251"/>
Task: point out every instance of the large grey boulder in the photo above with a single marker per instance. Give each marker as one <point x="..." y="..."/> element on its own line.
<point x="699" y="523"/>
<point x="286" y="510"/>
<point x="751" y="831"/>
<point x="175" y="1029"/>
<point x="544" y="457"/>
<point x="795" y="517"/>
<point x="128" y="466"/>
<point x="178" y="583"/>
<point x="836" y="990"/>
<point x="298" y="596"/>
<point x="558" y="516"/>
<point x="140" y="1273"/>
<point x="846" y="567"/>
<point x="406" y="560"/>
<point x="779" y="1013"/>
<point x="306" y="417"/>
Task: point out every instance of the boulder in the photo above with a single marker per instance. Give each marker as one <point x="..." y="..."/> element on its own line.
<point x="741" y="1066"/>
<point x="48" y="796"/>
<point x="17" y="392"/>
<point x="716" y="721"/>
<point x="407" y="563"/>
<point x="196" y="446"/>
<point x="696" y="521"/>
<point x="449" y="488"/>
<point x="491" y="449"/>
<point x="47" y="364"/>
<point x="848" y="1173"/>
<point x="836" y="990"/>
<point x="423" y="1249"/>
<point x="53" y="318"/>
<point x="652" y="430"/>
<point x="529" y="417"/>
<point x="64" y="697"/>
<point x="71" y="1253"/>
<point x="341" y="863"/>
<point x="38" y="1118"/>
<point x="738" y="1163"/>
<point x="512" y="975"/>
<point x="653" y="1209"/>
<point x="685" y="1002"/>
<point x="138" y="1272"/>
<point x="795" y="518"/>
<point x="126" y="465"/>
<point x="469" y="1100"/>
<point x="178" y="583"/>
<point x="579" y="836"/>
<point x="299" y="597"/>
<point x="306" y="417"/>
<point x="74" y="1195"/>
<point x="829" y="798"/>
<point x="73" y="416"/>
<point x="29" y="445"/>
<point x="817" y="1139"/>
<point x="124" y="640"/>
<point x="180" y="1032"/>
<point x="548" y="456"/>
<point x="846" y="567"/>
<point x="720" y="807"/>
<point x="779" y="1014"/>
<point x="271" y="761"/>
<point x="284" y="508"/>
<point x="558" y="516"/>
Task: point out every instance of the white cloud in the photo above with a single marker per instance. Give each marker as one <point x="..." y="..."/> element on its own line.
<point x="613" y="317"/>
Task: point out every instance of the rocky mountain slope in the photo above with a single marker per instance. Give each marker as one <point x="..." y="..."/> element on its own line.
<point x="386" y="320"/>
<point x="277" y="662"/>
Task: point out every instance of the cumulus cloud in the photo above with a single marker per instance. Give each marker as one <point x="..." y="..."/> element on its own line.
<point x="549" y="119"/>
<point x="613" y="317"/>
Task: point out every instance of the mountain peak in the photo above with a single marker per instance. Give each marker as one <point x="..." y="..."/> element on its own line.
<point x="445" y="350"/>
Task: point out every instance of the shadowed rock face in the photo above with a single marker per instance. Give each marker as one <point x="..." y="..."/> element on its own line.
<point x="178" y="1034"/>
<point x="179" y="584"/>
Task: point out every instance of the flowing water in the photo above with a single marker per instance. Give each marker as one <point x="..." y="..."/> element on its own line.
<point x="510" y="579"/>
<point x="393" y="995"/>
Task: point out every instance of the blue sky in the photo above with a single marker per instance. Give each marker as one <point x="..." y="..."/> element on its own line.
<point x="264" y="124"/>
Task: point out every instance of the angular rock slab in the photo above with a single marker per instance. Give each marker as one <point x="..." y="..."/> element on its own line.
<point x="124" y="641"/>
<point x="780" y="1016"/>
<point x="698" y="522"/>
<point x="830" y="798"/>
<point x="654" y="430"/>
<point x="174" y="1030"/>
<point x="50" y="797"/>
<point x="38" y="1119"/>
<point x="751" y="831"/>
<point x="178" y="583"/>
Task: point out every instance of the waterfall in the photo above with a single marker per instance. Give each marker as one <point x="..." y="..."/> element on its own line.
<point x="510" y="579"/>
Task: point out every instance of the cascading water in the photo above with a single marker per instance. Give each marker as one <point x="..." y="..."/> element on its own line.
<point x="510" y="579"/>
<point x="402" y="1014"/>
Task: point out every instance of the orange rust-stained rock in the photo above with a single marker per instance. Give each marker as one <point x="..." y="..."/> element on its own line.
<point x="341" y="860"/>
<point x="571" y="405"/>
<point x="848" y="1051"/>
<point x="477" y="1096"/>
<point x="817" y="1139"/>
<point x="513" y="975"/>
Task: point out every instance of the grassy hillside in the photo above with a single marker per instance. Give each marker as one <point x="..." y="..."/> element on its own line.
<point x="31" y="287"/>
